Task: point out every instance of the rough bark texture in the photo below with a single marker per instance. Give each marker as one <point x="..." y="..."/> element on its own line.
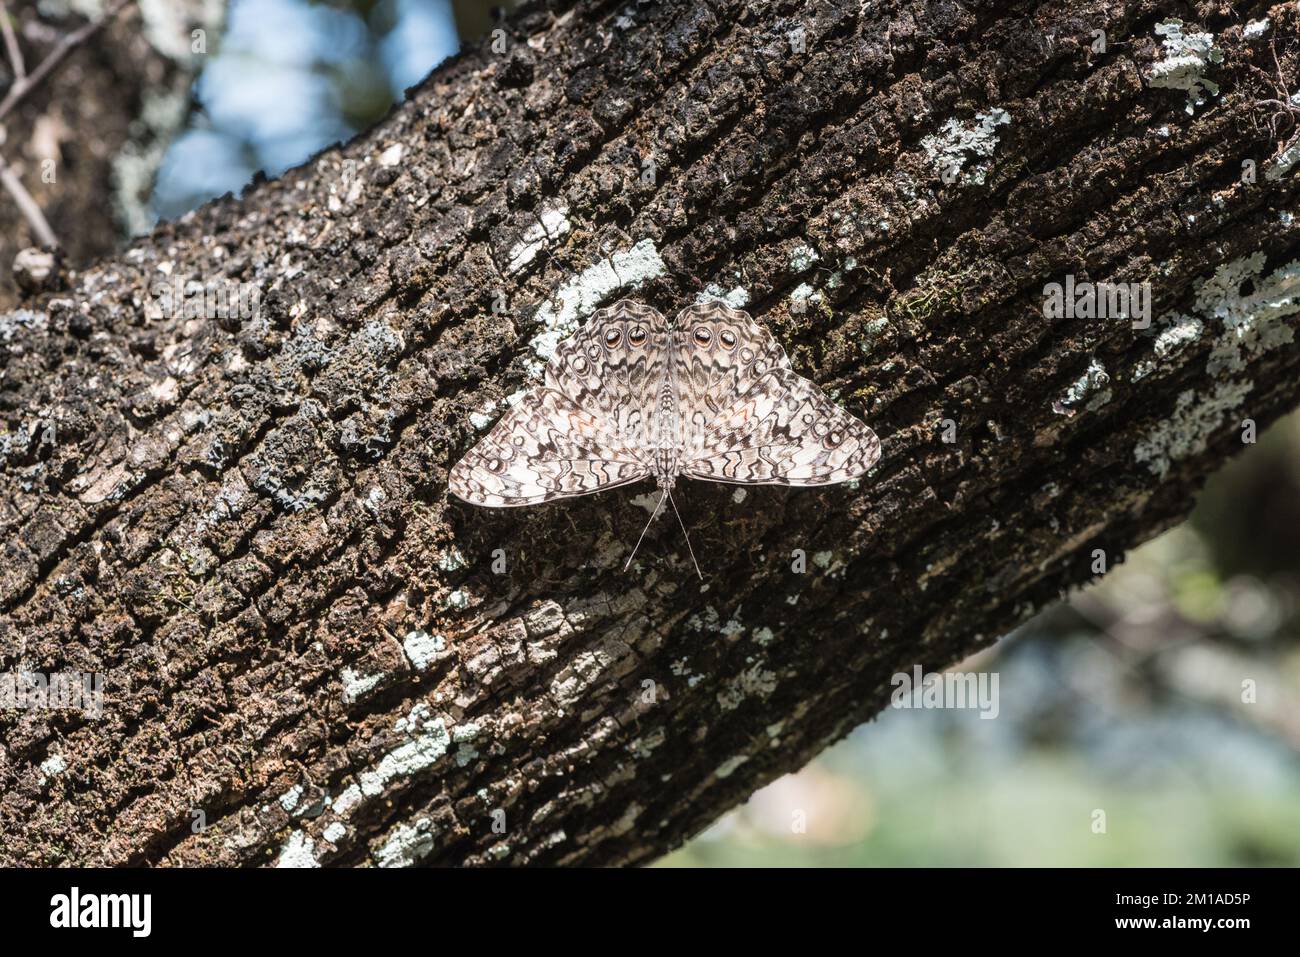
<point x="245" y="526"/>
<point x="87" y="141"/>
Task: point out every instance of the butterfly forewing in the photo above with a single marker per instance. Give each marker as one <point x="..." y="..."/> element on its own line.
<point x="587" y="427"/>
<point x="614" y="368"/>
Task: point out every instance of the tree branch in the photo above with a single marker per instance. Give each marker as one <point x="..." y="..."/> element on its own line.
<point x="311" y="656"/>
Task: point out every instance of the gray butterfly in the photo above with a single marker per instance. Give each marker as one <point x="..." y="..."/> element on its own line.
<point x="710" y="396"/>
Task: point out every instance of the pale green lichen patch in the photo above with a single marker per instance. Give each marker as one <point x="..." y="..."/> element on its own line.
<point x="957" y="144"/>
<point x="297" y="851"/>
<point x="348" y="798"/>
<point x="422" y="649"/>
<point x="802" y="257"/>
<point x="1285" y="161"/>
<point x="430" y="740"/>
<point x="451" y="560"/>
<point x="1180" y="331"/>
<point x="736" y="298"/>
<point x="1188" y="57"/>
<point x="463" y="736"/>
<point x="1187" y="431"/>
<point x="290" y="798"/>
<point x="357" y="686"/>
<point x="803" y="296"/>
<point x="406" y="844"/>
<point x="51" y="767"/>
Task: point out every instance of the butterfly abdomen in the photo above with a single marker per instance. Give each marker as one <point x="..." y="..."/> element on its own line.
<point x="667" y="451"/>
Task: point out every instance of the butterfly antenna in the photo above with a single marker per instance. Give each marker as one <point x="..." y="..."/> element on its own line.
<point x="653" y="516"/>
<point x="684" y="535"/>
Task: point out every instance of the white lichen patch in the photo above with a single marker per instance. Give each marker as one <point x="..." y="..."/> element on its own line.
<point x="738" y="495"/>
<point x="1180" y="331"/>
<point x="756" y="680"/>
<point x="335" y="831"/>
<point x="645" y="745"/>
<point x="406" y="844"/>
<point x="1255" y="28"/>
<point x="297" y="851"/>
<point x="709" y="620"/>
<point x="1254" y="322"/>
<point x="290" y="798"/>
<point x="422" y="648"/>
<point x="463" y="736"/>
<point x="763" y="636"/>
<point x="802" y="258"/>
<point x="552" y="223"/>
<point x="357" y="686"/>
<point x="1188" y="56"/>
<point x="803" y="295"/>
<point x="580" y="296"/>
<point x="424" y="748"/>
<point x="957" y="144"/>
<point x="1188" y="430"/>
<point x="483" y="418"/>
<point x="52" y="766"/>
<point x="348" y="798"/>
<point x="737" y="298"/>
<point x="458" y="600"/>
<point x="1091" y="387"/>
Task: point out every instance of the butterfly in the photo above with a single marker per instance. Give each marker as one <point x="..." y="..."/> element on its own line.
<point x="630" y="396"/>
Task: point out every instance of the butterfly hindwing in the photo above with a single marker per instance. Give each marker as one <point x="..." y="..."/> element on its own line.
<point x="749" y="418"/>
<point x="711" y="371"/>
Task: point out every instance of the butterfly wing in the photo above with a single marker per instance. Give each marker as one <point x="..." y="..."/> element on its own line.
<point x="591" y="424"/>
<point x="545" y="447"/>
<point x="749" y="418"/>
<point x="614" y="368"/>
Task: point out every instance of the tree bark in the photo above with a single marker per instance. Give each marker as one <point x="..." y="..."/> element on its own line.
<point x="309" y="654"/>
